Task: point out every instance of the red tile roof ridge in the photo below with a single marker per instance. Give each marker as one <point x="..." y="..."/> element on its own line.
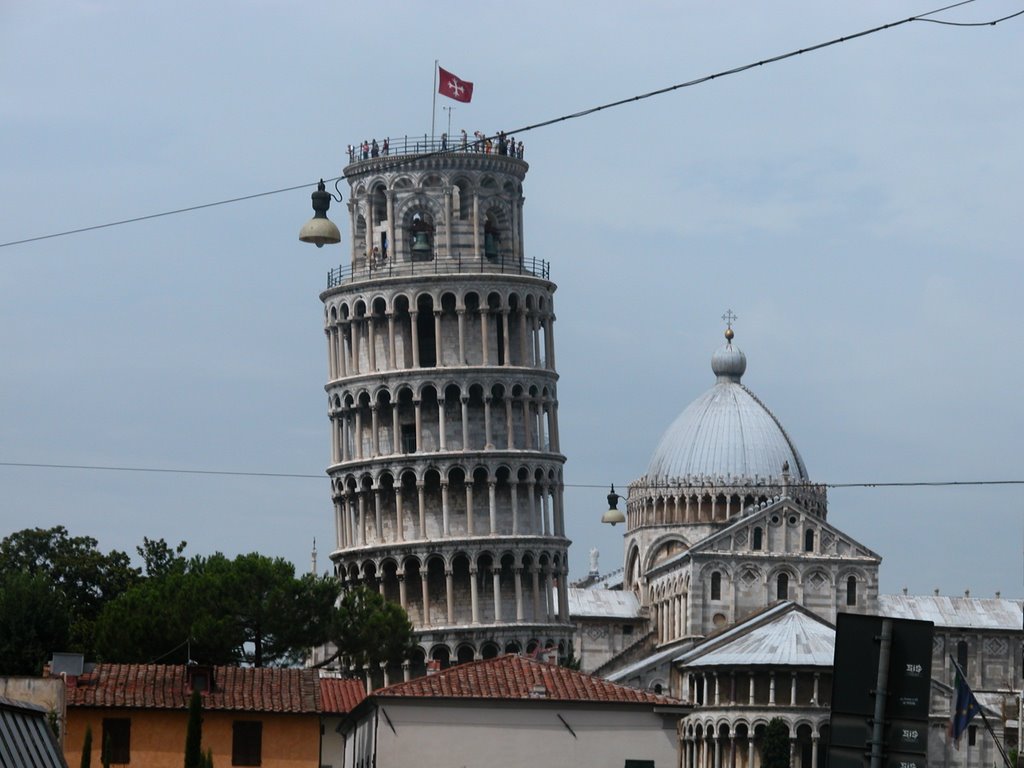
<point x="340" y="695"/>
<point x="165" y="686"/>
<point x="517" y="677"/>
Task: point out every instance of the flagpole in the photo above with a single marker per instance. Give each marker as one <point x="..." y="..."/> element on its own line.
<point x="433" y="108"/>
<point x="981" y="711"/>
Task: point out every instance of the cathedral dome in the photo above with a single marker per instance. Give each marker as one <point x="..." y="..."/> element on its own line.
<point x="726" y="432"/>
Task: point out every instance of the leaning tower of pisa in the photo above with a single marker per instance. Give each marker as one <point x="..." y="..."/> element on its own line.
<point x="445" y="470"/>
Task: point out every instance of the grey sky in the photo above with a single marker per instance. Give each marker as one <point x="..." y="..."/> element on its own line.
<point x="854" y="206"/>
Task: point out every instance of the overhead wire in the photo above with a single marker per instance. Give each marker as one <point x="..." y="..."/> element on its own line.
<point x="640" y="486"/>
<point x="398" y="162"/>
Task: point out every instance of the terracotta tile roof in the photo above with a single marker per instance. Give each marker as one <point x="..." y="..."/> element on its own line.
<point x="341" y="695"/>
<point x="165" y="686"/>
<point x="518" y="677"/>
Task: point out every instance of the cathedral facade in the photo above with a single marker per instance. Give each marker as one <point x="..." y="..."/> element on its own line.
<point x="731" y="583"/>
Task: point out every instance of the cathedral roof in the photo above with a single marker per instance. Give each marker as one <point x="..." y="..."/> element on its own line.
<point x="960" y="612"/>
<point x="784" y="635"/>
<point x="727" y="432"/>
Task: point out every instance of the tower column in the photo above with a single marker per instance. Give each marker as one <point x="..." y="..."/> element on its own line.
<point x="447" y="192"/>
<point x="419" y="425"/>
<point x="441" y="418"/>
<point x="425" y="593"/>
<point x="378" y="522"/>
<point x="553" y="426"/>
<point x="510" y="442"/>
<point x="392" y="358"/>
<point x="484" y="334"/>
<point x="488" y="442"/>
<point x="421" y="499"/>
<point x="548" y="587"/>
<point x="462" y="336"/>
<point x="473" y="594"/>
<point x="465" y="423"/>
<point x="362" y="518"/>
<point x="469" y="506"/>
<point x="535" y="333"/>
<point x="492" y="507"/>
<point x="345" y="325"/>
<point x="375" y="432"/>
<point x="449" y="588"/>
<point x="390" y="197"/>
<point x="332" y="367"/>
<point x="399" y="518"/>
<point x="517" y="574"/>
<point x="355" y="334"/>
<point x="371" y="342"/>
<point x="505" y="335"/>
<point x="446" y="527"/>
<point x="438" y="347"/>
<point x="496" y="581"/>
<point x="414" y="336"/>
<point x="358" y="441"/>
<point x="396" y="430"/>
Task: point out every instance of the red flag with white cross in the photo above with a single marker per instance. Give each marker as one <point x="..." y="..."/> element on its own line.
<point x="451" y="86"/>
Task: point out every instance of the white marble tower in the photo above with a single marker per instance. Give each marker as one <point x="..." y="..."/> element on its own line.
<point x="445" y="470"/>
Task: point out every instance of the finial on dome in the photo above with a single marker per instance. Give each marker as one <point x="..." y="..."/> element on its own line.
<point x="729" y="317"/>
<point x="729" y="362"/>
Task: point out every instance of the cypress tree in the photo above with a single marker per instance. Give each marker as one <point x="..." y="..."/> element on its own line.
<point x="776" y="744"/>
<point x="194" y="733"/>
<point x="87" y="748"/>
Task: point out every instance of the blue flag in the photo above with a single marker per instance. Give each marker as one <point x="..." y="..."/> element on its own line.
<point x="965" y="706"/>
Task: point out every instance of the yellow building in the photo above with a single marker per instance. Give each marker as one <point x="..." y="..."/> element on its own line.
<point x="254" y="717"/>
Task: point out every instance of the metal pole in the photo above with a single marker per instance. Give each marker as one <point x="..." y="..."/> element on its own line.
<point x="881" y="692"/>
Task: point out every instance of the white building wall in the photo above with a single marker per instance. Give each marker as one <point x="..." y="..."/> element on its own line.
<point x="515" y="734"/>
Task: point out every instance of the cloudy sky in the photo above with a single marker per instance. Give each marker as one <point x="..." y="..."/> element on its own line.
<point x="854" y="206"/>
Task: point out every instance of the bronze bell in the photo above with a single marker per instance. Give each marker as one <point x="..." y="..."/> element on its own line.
<point x="420" y="242"/>
<point x="490" y="245"/>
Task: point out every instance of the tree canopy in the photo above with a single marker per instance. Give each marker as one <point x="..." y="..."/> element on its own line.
<point x="252" y="609"/>
<point x="53" y="587"/>
<point x="60" y="592"/>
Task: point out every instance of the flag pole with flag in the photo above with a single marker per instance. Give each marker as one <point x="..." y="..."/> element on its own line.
<point x="450" y="85"/>
<point x="965" y="707"/>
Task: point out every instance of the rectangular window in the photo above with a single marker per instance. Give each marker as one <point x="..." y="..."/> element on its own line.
<point x="972" y="736"/>
<point x="117" y="740"/>
<point x="246" y="742"/>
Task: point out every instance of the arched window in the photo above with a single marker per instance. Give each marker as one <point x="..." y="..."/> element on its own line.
<point x="851" y="590"/>
<point x="782" y="592"/>
<point x="716" y="586"/>
<point x="758" y="534"/>
<point x="809" y="540"/>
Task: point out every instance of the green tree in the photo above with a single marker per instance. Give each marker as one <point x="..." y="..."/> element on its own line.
<point x="369" y="630"/>
<point x="35" y="620"/>
<point x="208" y="759"/>
<point x="194" y="732"/>
<point x="776" y="744"/>
<point x="160" y="559"/>
<point x="252" y="609"/>
<point x="87" y="577"/>
<point x="87" y="749"/>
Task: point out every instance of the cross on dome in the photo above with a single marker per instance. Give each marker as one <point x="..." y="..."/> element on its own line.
<point x="729" y="317"/>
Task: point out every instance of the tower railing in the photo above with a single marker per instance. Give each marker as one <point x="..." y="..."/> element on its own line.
<point x="421" y="145"/>
<point x="352" y="273"/>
